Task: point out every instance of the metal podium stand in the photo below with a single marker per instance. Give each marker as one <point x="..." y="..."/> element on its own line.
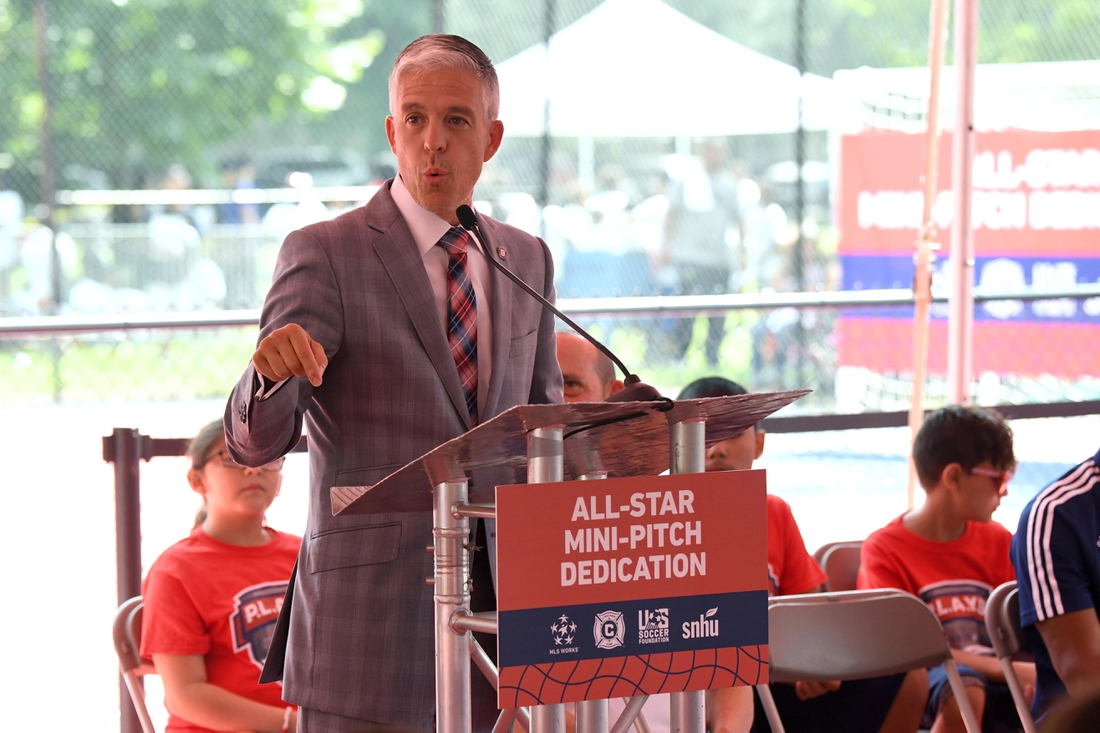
<point x="538" y="444"/>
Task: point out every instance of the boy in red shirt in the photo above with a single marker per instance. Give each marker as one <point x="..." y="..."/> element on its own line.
<point x="885" y="704"/>
<point x="950" y="553"/>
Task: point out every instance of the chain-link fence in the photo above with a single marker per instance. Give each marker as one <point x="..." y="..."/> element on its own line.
<point x="172" y="145"/>
<point x="855" y="358"/>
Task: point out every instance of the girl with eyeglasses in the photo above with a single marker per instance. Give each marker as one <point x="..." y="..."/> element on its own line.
<point x="211" y="600"/>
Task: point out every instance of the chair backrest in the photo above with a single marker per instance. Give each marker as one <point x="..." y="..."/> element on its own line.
<point x="851" y="635"/>
<point x="126" y="632"/>
<point x="1002" y="618"/>
<point x="840" y="561"/>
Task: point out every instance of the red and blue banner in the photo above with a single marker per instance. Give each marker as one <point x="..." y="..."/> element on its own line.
<point x="627" y="587"/>
<point x="1036" y="218"/>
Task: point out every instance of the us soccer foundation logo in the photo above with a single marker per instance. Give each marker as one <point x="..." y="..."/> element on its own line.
<point x="653" y="626"/>
<point x="609" y="630"/>
<point x="255" y="610"/>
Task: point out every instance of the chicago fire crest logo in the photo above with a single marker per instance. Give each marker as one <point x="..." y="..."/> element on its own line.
<point x="609" y="630"/>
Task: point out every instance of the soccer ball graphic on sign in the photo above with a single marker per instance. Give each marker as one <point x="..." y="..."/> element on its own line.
<point x="563" y="630"/>
<point x="609" y="630"/>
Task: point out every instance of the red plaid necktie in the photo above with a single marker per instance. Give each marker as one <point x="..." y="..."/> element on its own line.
<point x="462" y="315"/>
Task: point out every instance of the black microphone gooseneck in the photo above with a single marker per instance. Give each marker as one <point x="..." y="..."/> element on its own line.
<point x="635" y="390"/>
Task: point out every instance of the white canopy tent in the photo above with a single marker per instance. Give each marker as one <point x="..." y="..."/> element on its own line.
<point x="638" y="68"/>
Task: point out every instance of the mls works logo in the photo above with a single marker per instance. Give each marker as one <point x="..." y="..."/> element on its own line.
<point x="564" y="630"/>
<point x="652" y="626"/>
<point x="609" y="630"/>
<point x="255" y="610"/>
<point x="705" y="627"/>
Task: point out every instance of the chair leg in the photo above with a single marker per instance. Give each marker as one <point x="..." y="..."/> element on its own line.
<point x="137" y="696"/>
<point x="1018" y="697"/>
<point x="957" y="687"/>
<point x="768" y="703"/>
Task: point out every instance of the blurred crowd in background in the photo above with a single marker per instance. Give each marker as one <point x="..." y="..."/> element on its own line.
<point x="155" y="159"/>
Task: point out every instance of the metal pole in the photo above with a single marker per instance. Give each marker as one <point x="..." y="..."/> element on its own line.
<point x="545" y="465"/>
<point x="630" y="714"/>
<point x="799" y="254"/>
<point x="123" y="448"/>
<point x="687" y="454"/>
<point x="592" y="715"/>
<point x="687" y="446"/>
<point x="452" y="596"/>
<point x="922" y="279"/>
<point x="438" y="19"/>
<point x="49" y="194"/>
<point x="549" y="7"/>
<point x="960" y="309"/>
<point x="544" y="456"/>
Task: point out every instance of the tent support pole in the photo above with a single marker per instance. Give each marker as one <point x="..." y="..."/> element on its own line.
<point x="960" y="306"/>
<point x="922" y="280"/>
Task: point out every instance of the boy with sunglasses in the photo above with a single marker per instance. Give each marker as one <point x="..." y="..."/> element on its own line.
<point x="950" y="553"/>
<point x="887" y="704"/>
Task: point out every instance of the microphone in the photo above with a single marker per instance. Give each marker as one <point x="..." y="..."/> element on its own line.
<point x="634" y="389"/>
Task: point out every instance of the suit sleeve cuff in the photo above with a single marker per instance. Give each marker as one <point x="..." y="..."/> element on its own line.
<point x="265" y="387"/>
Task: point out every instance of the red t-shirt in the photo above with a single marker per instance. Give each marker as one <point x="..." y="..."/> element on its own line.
<point x="954" y="578"/>
<point x="791" y="570"/>
<point x="205" y="597"/>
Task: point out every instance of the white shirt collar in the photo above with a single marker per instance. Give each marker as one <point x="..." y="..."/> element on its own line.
<point x="426" y="227"/>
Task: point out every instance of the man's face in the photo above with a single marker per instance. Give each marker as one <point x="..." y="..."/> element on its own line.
<point x="736" y="453"/>
<point x="441" y="135"/>
<point x="577" y="359"/>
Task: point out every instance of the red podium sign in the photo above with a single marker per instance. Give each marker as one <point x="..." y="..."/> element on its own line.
<point x="631" y="586"/>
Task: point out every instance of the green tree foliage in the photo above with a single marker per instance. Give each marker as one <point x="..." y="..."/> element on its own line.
<point x="139" y="84"/>
<point x="1065" y="30"/>
<point x="847" y="34"/>
<point x="359" y="123"/>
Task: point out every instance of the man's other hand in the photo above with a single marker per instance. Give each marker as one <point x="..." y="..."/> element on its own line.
<point x="290" y="352"/>
<point x="810" y="690"/>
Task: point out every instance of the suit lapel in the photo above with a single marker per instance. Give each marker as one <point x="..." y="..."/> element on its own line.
<point x="399" y="255"/>
<point x="502" y="324"/>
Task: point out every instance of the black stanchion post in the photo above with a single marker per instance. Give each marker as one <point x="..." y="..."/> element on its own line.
<point x="123" y="449"/>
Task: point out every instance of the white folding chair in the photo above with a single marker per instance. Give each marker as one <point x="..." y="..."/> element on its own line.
<point x="854" y="635"/>
<point x="1002" y="618"/>
<point x="126" y="631"/>
<point x="840" y="561"/>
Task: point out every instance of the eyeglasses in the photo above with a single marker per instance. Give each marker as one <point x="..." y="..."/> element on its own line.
<point x="1002" y="477"/>
<point x="227" y="461"/>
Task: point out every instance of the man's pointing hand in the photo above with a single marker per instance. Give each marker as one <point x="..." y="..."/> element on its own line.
<point x="289" y="351"/>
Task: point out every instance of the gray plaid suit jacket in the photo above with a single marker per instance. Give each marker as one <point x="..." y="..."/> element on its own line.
<point x="361" y="638"/>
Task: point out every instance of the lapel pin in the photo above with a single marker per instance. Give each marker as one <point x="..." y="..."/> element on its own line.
<point x="502" y="253"/>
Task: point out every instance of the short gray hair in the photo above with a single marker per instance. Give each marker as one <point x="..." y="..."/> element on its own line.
<point x="443" y="51"/>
